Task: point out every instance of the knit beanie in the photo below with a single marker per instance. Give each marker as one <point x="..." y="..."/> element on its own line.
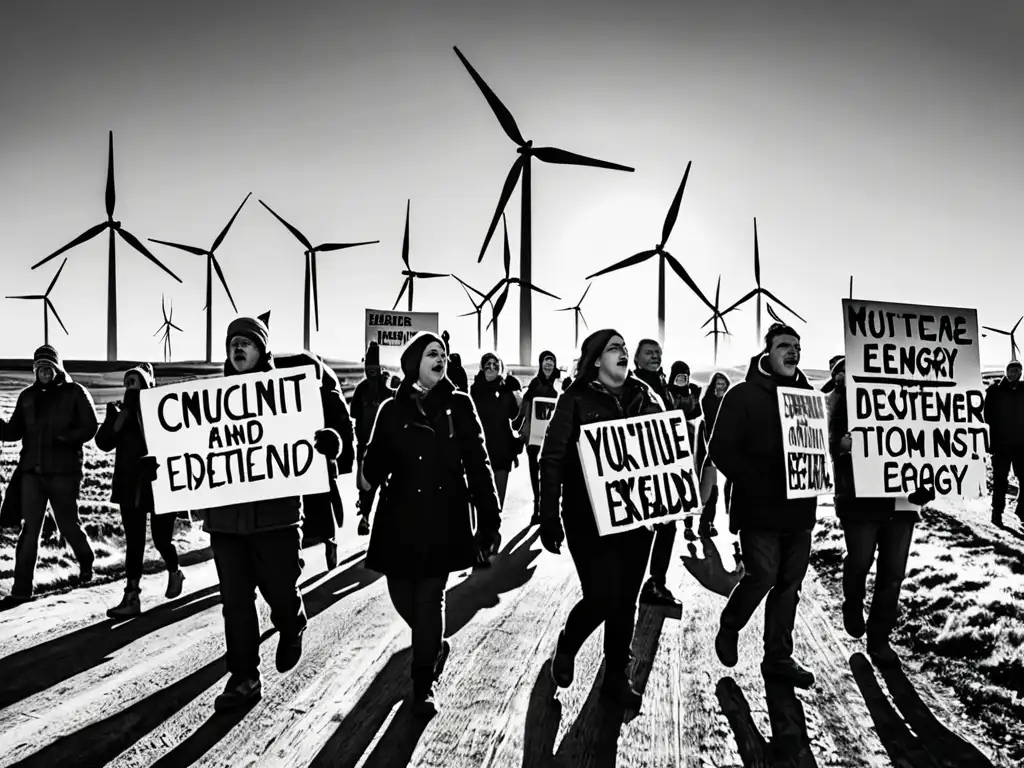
<point x="545" y="355"/>
<point x="593" y="347"/>
<point x="46" y="355"/>
<point x="1012" y="364"/>
<point x="251" y="328"/>
<point x="265" y="318"/>
<point x="372" y="355"/>
<point x="678" y="368"/>
<point x="145" y="372"/>
<point x="413" y="353"/>
<point x="837" y="365"/>
<point x="491" y="356"/>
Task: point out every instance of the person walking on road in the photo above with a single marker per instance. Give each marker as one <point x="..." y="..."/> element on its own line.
<point x="1004" y="414"/>
<point x="706" y="469"/>
<point x="497" y="399"/>
<point x="542" y="385"/>
<point x="370" y="393"/>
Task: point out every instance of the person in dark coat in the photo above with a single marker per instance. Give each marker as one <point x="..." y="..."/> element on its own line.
<point x="648" y="370"/>
<point x="610" y="568"/>
<point x="541" y="385"/>
<point x="497" y="399"/>
<point x="683" y="394"/>
<point x="121" y="432"/>
<point x="1004" y="414"/>
<point x="428" y="457"/>
<point x="869" y="525"/>
<point x="369" y="395"/>
<point x="256" y="544"/>
<point x="53" y="418"/>
<point x="775" y="532"/>
<point x="709" y="491"/>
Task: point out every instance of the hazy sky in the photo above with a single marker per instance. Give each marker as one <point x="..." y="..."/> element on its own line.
<point x="881" y="139"/>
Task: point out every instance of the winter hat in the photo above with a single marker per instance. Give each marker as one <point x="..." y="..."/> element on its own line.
<point x="414" y="353"/>
<point x="678" y="367"/>
<point x="145" y="372"/>
<point x="555" y="374"/>
<point x="837" y="365"/>
<point x="46" y="355"/>
<point x="1012" y="364"/>
<point x="372" y="355"/>
<point x="265" y="318"/>
<point x="491" y="356"/>
<point x="251" y="328"/>
<point x="591" y="350"/>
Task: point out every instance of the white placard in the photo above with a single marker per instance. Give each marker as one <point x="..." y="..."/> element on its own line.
<point x="392" y="330"/>
<point x="541" y="411"/>
<point x="639" y="471"/>
<point x="235" y="439"/>
<point x="808" y="466"/>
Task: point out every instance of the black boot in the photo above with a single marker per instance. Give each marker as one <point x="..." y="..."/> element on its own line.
<point x="618" y="689"/>
<point x="239" y="692"/>
<point x="563" y="664"/>
<point x="789" y="671"/>
<point x="423" y="704"/>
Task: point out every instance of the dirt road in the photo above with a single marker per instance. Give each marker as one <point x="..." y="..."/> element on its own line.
<point x="78" y="689"/>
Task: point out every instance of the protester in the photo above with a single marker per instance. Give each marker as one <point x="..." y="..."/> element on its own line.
<point x="833" y="381"/>
<point x="706" y="468"/>
<point x="456" y="372"/>
<point x="122" y="433"/>
<point x="610" y="568"/>
<point x="497" y="399"/>
<point x="683" y="394"/>
<point x="774" y="532"/>
<point x="542" y="385"/>
<point x="53" y="418"/>
<point x="369" y="394"/>
<point x="256" y="544"/>
<point x="427" y="454"/>
<point x="1004" y="414"/>
<point x="648" y="370"/>
<point x="869" y="524"/>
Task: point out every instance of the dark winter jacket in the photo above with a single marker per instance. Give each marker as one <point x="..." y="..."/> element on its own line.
<point x="129" y="445"/>
<point x="52" y="423"/>
<point x="685" y="399"/>
<point x="657" y="383"/>
<point x="428" y="457"/>
<point x="848" y="505"/>
<point x="709" y="405"/>
<point x="539" y="386"/>
<point x="1004" y="414"/>
<point x="496" y="406"/>
<point x="366" y="401"/>
<point x="457" y="373"/>
<point x="747" y="446"/>
<point x="561" y="473"/>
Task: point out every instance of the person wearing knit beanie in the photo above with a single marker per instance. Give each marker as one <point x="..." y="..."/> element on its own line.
<point x="366" y="401"/>
<point x="245" y="357"/>
<point x="542" y="385"/>
<point x="371" y="363"/>
<point x="46" y="364"/>
<point x="412" y="358"/>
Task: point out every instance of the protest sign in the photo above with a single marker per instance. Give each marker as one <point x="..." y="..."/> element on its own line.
<point x="235" y="439"/>
<point x="540" y="417"/>
<point x="805" y="443"/>
<point x="392" y="329"/>
<point x="639" y="471"/>
<point x="915" y="399"/>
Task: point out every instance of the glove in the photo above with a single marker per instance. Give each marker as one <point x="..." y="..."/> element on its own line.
<point x="488" y="541"/>
<point x="552" y="535"/>
<point x="112" y="409"/>
<point x="922" y="496"/>
<point x="395" y="382"/>
<point x="327" y="443"/>
<point x="148" y="467"/>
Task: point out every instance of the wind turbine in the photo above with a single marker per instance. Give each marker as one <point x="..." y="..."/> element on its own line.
<point x="577" y="316"/>
<point x="508" y="282"/>
<point x="165" y="327"/>
<point x="47" y="305"/>
<point x="211" y="265"/>
<point x="851" y="287"/>
<point x="1014" y="349"/>
<point x="759" y="291"/>
<point x="663" y="256"/>
<point x="410" y="275"/>
<point x="477" y="308"/>
<point x="128" y="237"/>
<point x="310" y="253"/>
<point x="714" y="319"/>
<point x="522" y="165"/>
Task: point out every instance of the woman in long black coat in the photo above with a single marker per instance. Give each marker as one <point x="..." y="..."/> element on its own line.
<point x="497" y="399"/>
<point x="427" y="455"/>
<point x="542" y="385"/>
<point x="610" y="568"/>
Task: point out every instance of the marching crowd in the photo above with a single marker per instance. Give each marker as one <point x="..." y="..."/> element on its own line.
<point x="437" y="450"/>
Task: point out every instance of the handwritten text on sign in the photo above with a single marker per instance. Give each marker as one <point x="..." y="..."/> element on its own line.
<point x="639" y="471"/>
<point x="805" y="440"/>
<point x="915" y="398"/>
<point x="234" y="439"/>
<point x="540" y="416"/>
<point x="392" y="330"/>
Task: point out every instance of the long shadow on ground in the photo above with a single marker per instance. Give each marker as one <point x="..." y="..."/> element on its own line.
<point x="593" y="738"/>
<point x="912" y="735"/>
<point x="709" y="570"/>
<point x="100" y="742"/>
<point x="789" y="744"/>
<point x="511" y="569"/>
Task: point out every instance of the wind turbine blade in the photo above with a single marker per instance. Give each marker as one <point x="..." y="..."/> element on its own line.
<point x="757" y="257"/>
<point x="507" y="254"/>
<point x="561" y="157"/>
<point x="298" y="235"/>
<point x="33" y="296"/>
<point x="316" y="290"/>
<point x="583" y="319"/>
<point x="401" y="293"/>
<point x="111" y="198"/>
<point x="685" y="277"/>
<point x="1015" y="325"/>
<point x="774" y="315"/>
<point x="54" y="310"/>
<point x="54" y="281"/>
<point x="996" y="330"/>
<point x="189" y="248"/>
<point x="497" y="287"/>
<point x="508" y="123"/>
<point x="745" y="299"/>
<point x="718" y="293"/>
<point x="627" y="262"/>
<point x="466" y="286"/>
<point x="172" y="325"/>
<point x="428" y="275"/>
<point x="673" y="211"/>
<point x="781" y="303"/>
<point x="342" y="246"/>
<point x="566" y="309"/>
<point x="578" y="303"/>
<point x="224" y="232"/>
<point x="87" y="235"/>
<point x="223" y="281"/>
<point x="467" y="314"/>
<point x="163" y="307"/>
<point x="506" y="192"/>
<point x="533" y="287"/>
<point x="133" y="241"/>
<point x="500" y="303"/>
<point x="405" y="237"/>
